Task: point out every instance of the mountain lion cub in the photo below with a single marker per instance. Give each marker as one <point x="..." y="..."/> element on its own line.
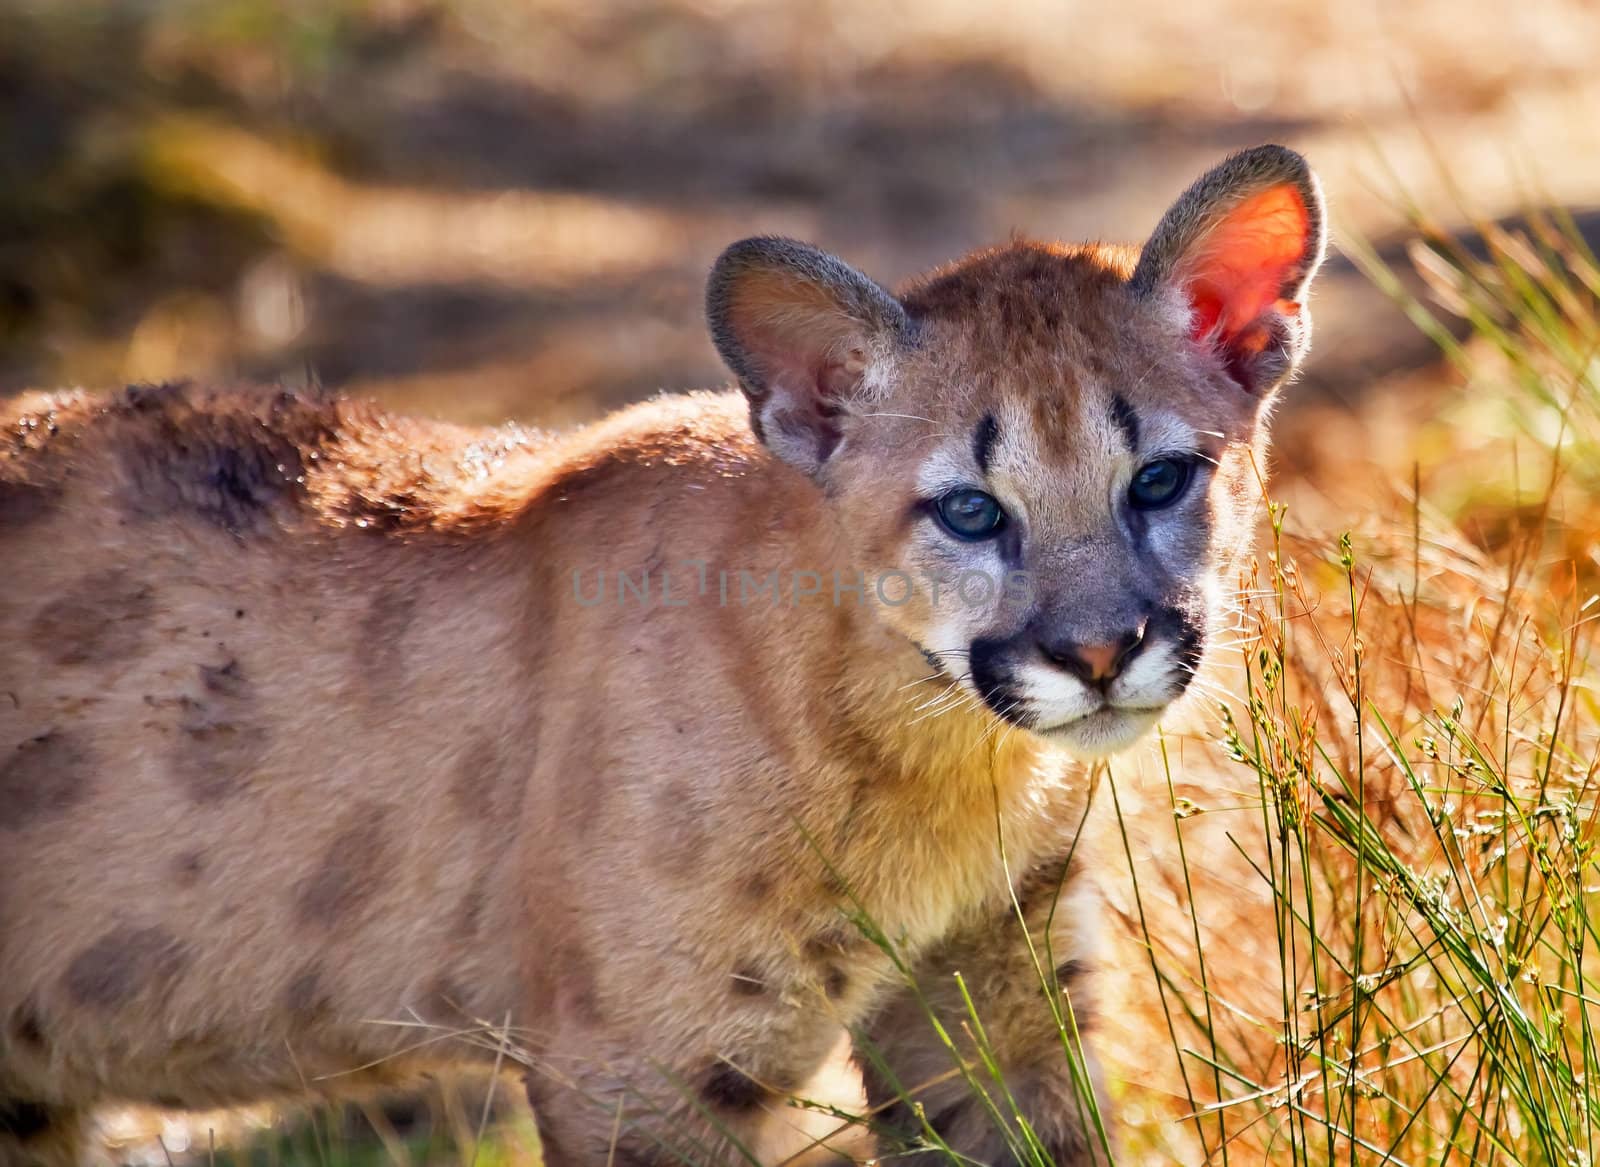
<point x="334" y="744"/>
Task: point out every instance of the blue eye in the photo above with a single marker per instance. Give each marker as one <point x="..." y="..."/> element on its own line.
<point x="1159" y="484"/>
<point x="970" y="514"/>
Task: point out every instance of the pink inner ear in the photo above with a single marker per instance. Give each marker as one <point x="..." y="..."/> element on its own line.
<point x="1240" y="268"/>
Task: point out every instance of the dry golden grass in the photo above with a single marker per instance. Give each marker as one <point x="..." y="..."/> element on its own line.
<point x="1431" y="707"/>
<point x="1365" y="888"/>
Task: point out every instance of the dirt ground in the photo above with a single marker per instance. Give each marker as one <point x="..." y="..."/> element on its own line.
<point x="488" y="211"/>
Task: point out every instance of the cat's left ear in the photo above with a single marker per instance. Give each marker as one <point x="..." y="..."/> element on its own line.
<point x="1239" y="248"/>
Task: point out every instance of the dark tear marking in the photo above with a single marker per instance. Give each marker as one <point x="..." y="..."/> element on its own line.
<point x="1009" y="542"/>
<point x="121" y="963"/>
<point x="729" y="1088"/>
<point x="983" y="441"/>
<point x="101" y="619"/>
<point x="1127" y="421"/>
<point x="22" y="503"/>
<point x="350" y="871"/>
<point x="43" y="777"/>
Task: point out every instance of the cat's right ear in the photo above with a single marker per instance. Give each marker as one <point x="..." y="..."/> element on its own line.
<point x="810" y="338"/>
<point x="1239" y="249"/>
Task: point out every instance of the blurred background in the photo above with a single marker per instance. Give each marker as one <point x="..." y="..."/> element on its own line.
<point x="492" y="210"/>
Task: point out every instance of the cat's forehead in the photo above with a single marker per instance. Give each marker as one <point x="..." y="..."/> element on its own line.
<point x="1025" y="295"/>
<point x="1047" y="346"/>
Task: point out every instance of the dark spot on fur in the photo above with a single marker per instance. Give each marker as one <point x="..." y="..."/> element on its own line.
<point x="1072" y="977"/>
<point x="229" y="468"/>
<point x="306" y="998"/>
<point x="101" y="619"/>
<point x="121" y="963"/>
<point x="218" y="750"/>
<point x="445" y="1001"/>
<point x="835" y="982"/>
<point x="584" y="996"/>
<point x="748" y="981"/>
<point x="757" y="887"/>
<point x="833" y="942"/>
<point x="576" y="984"/>
<point x="380" y="648"/>
<point x="22" y="503"/>
<point x="829" y="951"/>
<point x="225" y="681"/>
<point x="1071" y="971"/>
<point x="43" y="777"/>
<point x="168" y="1102"/>
<point x="554" y="1151"/>
<point x="647" y="1156"/>
<point x="679" y="842"/>
<point x="27" y="1027"/>
<point x="826" y="950"/>
<point x="476" y="780"/>
<point x="1042" y="885"/>
<point x="188" y="867"/>
<point x="350" y="872"/>
<point x="469" y="917"/>
<point x="729" y="1088"/>
<point x="24" y="1120"/>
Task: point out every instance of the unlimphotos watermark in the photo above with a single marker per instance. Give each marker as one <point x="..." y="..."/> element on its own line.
<point x="696" y="581"/>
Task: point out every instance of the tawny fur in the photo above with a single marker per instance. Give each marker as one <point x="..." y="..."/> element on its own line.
<point x="310" y="722"/>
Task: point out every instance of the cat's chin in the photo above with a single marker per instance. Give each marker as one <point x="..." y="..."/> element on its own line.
<point x="1108" y="730"/>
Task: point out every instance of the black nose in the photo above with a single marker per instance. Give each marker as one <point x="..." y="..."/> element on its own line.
<point x="1095" y="663"/>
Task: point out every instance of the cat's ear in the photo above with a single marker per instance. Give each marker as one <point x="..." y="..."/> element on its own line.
<point x="810" y="338"/>
<point x="1238" y="249"/>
